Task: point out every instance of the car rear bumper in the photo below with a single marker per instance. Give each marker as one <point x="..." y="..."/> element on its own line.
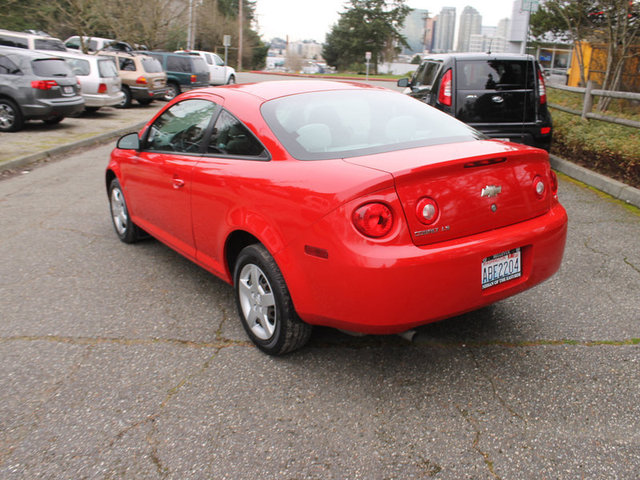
<point x="62" y="107"/>
<point x="147" y="93"/>
<point x="100" y="100"/>
<point x="392" y="288"/>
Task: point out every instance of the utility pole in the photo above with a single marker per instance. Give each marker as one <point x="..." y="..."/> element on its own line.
<point x="240" y="28"/>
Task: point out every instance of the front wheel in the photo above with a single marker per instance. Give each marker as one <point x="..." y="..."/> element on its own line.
<point x="126" y="230"/>
<point x="11" y="119"/>
<point x="264" y="303"/>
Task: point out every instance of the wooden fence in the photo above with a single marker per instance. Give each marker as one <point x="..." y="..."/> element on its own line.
<point x="589" y="92"/>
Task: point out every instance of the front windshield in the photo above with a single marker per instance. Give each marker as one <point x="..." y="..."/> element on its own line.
<point x="351" y="123"/>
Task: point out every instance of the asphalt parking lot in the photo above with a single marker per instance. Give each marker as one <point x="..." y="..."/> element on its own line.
<point x="128" y="361"/>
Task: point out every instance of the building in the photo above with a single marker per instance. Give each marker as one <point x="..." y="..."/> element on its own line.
<point x="445" y="30"/>
<point x="470" y="24"/>
<point x="413" y="30"/>
<point x="518" y="30"/>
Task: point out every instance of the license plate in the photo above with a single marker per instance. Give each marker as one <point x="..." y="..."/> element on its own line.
<point x="501" y="268"/>
<point x="67" y="90"/>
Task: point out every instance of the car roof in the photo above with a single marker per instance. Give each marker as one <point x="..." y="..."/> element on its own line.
<point x="477" y="56"/>
<point x="283" y="88"/>
<point x="34" y="54"/>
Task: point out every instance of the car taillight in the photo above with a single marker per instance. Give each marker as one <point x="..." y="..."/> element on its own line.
<point x="545" y="130"/>
<point x="141" y="80"/>
<point x="427" y="210"/>
<point x="373" y="219"/>
<point x="444" y="94"/>
<point x="44" y="84"/>
<point x="102" y="88"/>
<point x="194" y="78"/>
<point x="542" y="90"/>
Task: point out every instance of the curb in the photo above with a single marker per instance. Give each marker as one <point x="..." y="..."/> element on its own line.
<point x="616" y="189"/>
<point x="70" y="147"/>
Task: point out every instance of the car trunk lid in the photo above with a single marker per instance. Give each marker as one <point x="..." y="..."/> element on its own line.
<point x="477" y="186"/>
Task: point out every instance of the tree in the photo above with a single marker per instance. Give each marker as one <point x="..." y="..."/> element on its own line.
<point x="615" y="23"/>
<point x="366" y="26"/>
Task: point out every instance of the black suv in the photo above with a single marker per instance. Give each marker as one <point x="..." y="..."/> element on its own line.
<point x="502" y="95"/>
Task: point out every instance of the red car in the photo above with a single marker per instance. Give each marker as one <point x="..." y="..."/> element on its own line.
<point x="338" y="204"/>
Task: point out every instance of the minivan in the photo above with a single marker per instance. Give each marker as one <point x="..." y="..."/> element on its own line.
<point x="502" y="95"/>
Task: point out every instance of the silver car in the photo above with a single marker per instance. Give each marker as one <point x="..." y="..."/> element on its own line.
<point x="98" y="77"/>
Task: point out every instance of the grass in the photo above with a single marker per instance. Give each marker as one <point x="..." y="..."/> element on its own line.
<point x="611" y="149"/>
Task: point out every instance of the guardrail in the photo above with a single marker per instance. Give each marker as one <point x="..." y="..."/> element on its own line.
<point x="589" y="92"/>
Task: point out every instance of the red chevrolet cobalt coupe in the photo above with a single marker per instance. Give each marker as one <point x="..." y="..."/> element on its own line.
<point x="338" y="204"/>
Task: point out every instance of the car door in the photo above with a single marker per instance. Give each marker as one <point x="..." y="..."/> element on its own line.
<point x="217" y="69"/>
<point x="158" y="178"/>
<point x="234" y="165"/>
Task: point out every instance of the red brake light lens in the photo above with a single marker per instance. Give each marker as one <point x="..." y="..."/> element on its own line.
<point x="141" y="81"/>
<point x="542" y="90"/>
<point x="444" y="94"/>
<point x="194" y="78"/>
<point x="373" y="219"/>
<point x="545" y="130"/>
<point x="427" y="210"/>
<point x="44" y="84"/>
<point x="102" y="88"/>
<point x="554" y="182"/>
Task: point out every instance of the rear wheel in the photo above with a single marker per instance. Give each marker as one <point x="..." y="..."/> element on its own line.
<point x="126" y="101"/>
<point x="264" y="303"/>
<point x="173" y="91"/>
<point x="232" y="80"/>
<point x="126" y="230"/>
<point x="11" y="119"/>
<point x="145" y="101"/>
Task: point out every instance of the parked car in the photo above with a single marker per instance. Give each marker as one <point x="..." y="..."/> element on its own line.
<point x="184" y="72"/>
<point x="98" y="76"/>
<point x="35" y="86"/>
<point x="321" y="211"/>
<point x="219" y="73"/>
<point x="142" y="76"/>
<point x="30" y="41"/>
<point x="502" y="95"/>
<point x="96" y="44"/>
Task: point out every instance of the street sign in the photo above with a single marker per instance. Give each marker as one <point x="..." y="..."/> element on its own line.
<point x="367" y="55"/>
<point x="530" y="5"/>
<point x="226" y="40"/>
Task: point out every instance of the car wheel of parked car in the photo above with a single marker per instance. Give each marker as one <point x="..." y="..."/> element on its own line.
<point x="10" y="116"/>
<point x="173" y="91"/>
<point x="91" y="109"/>
<point x="126" y="101"/>
<point x="232" y="80"/>
<point x="127" y="231"/>
<point x="264" y="303"/>
<point x="145" y="101"/>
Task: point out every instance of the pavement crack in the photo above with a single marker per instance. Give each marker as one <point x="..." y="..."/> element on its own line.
<point x="473" y="423"/>
<point x="626" y="260"/>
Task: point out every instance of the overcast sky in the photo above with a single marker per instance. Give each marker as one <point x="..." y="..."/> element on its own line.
<point x="312" y="19"/>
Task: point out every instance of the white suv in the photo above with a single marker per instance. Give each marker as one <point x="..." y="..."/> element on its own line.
<point x="30" y="41"/>
<point x="219" y="73"/>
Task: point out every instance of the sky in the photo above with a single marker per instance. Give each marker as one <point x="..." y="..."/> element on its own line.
<point x="312" y="19"/>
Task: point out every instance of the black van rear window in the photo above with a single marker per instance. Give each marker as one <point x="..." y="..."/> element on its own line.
<point x="495" y="75"/>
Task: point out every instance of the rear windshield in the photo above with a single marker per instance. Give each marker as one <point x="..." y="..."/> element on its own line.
<point x="51" y="67"/>
<point x="495" y="75"/>
<point x="200" y="66"/>
<point x="49" y="44"/>
<point x="151" y="65"/>
<point x="107" y="68"/>
<point x="79" y="66"/>
<point x="348" y="123"/>
<point x="11" y="41"/>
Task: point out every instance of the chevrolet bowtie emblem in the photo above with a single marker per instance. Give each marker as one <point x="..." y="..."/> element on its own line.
<point x="491" y="191"/>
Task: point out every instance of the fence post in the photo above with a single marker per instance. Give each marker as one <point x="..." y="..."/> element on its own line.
<point x="588" y="100"/>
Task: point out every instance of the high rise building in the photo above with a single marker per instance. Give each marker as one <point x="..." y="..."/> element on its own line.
<point x="470" y="24"/>
<point x="445" y="30"/>
<point x="413" y="30"/>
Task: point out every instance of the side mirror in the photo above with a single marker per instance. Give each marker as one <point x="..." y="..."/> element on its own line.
<point x="130" y="141"/>
<point x="403" y="82"/>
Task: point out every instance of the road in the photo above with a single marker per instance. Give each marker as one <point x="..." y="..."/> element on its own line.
<point x="128" y="361"/>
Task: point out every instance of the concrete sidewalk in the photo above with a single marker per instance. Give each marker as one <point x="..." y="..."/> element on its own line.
<point x="38" y="142"/>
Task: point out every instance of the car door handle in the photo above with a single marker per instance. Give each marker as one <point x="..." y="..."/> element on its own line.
<point x="178" y="183"/>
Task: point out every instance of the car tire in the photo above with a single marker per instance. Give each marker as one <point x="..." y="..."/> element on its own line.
<point x="126" y="101"/>
<point x="11" y="119"/>
<point x="127" y="231"/>
<point x="91" y="109"/>
<point x="173" y="91"/>
<point x="264" y="303"/>
<point x="232" y="80"/>
<point x="145" y="101"/>
<point x="53" y="120"/>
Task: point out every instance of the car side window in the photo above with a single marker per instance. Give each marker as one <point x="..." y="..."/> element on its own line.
<point x="7" y="67"/>
<point x="11" y="41"/>
<point x="182" y="127"/>
<point x="208" y="58"/>
<point x="217" y="60"/>
<point x="231" y="137"/>
<point x="426" y="74"/>
<point x="127" y="64"/>
<point x="178" y="63"/>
